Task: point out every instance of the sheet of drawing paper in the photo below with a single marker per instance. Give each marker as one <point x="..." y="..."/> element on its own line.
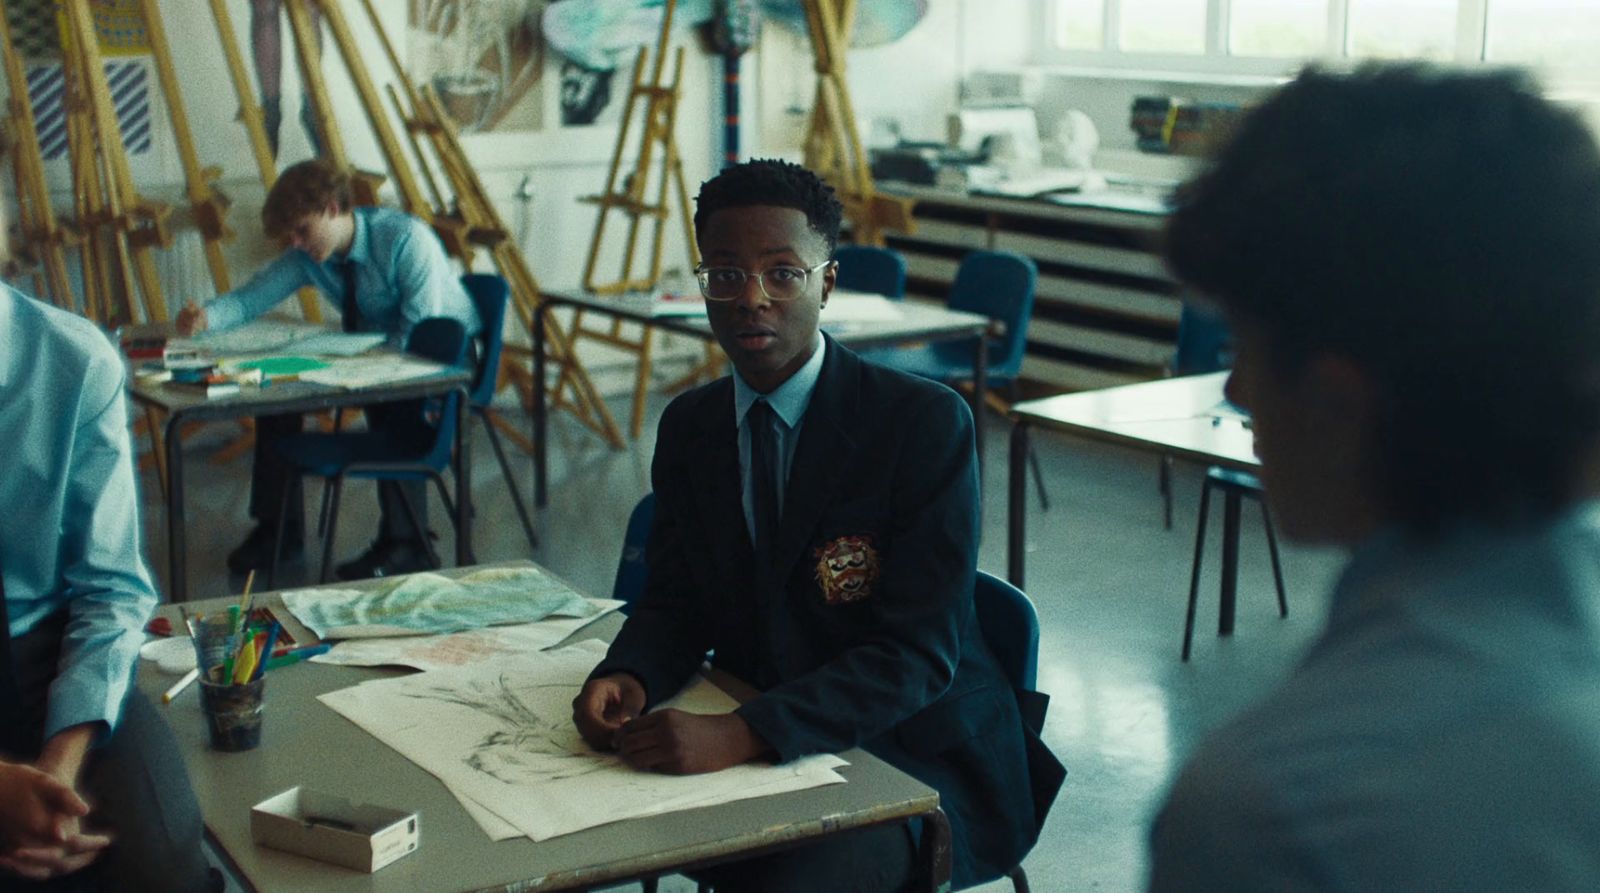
<point x="460" y="649"/>
<point x="501" y="734"/>
<point x="365" y="371"/>
<point x="255" y="337"/>
<point x="424" y="604"/>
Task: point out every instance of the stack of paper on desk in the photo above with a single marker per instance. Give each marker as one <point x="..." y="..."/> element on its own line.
<point x="500" y="736"/>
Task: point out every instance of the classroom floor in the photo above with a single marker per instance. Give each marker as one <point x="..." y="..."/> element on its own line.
<point x="1109" y="582"/>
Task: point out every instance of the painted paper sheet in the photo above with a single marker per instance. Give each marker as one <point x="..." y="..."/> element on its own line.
<point x="475" y="646"/>
<point x="423" y="604"/>
<point x="501" y="734"/>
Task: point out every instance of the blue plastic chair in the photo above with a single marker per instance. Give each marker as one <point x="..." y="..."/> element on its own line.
<point x="999" y="285"/>
<point x="996" y="284"/>
<point x="1205" y="345"/>
<point x="367" y="455"/>
<point x="489" y="294"/>
<point x="1010" y="627"/>
<point x="881" y="271"/>
<point x="632" y="570"/>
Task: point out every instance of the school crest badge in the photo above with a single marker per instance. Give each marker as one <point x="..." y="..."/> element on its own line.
<point x="847" y="569"/>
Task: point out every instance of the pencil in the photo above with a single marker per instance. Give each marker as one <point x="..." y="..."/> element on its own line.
<point x="178" y="687"/>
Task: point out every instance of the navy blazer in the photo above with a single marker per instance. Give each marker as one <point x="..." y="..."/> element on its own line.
<point x="863" y="632"/>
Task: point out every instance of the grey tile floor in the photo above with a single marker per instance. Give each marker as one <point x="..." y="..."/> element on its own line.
<point x="1109" y="582"/>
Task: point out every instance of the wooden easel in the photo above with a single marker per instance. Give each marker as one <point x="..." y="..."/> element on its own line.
<point x="833" y="146"/>
<point x="364" y="185"/>
<point x="255" y="126"/>
<point x="658" y="129"/>
<point x="209" y="206"/>
<point x="41" y="232"/>
<point x="129" y="225"/>
<point x="471" y="225"/>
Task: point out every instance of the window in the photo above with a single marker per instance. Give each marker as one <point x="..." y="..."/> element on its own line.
<point x="1287" y="28"/>
<point x="1396" y="29"/>
<point x="1551" y="34"/>
<point x="1274" y="37"/>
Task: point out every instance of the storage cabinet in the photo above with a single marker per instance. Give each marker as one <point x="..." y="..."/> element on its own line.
<point x="1106" y="312"/>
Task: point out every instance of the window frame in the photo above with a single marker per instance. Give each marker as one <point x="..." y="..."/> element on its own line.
<point x="1215" y="62"/>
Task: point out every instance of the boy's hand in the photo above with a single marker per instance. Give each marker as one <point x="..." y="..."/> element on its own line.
<point x="40" y="837"/>
<point x="191" y="319"/>
<point x="604" y="706"/>
<point x="680" y="743"/>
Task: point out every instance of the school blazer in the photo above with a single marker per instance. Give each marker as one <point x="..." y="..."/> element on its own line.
<point x="862" y="632"/>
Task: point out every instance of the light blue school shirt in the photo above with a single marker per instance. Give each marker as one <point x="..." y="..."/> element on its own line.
<point x="402" y="277"/>
<point x="1442" y="734"/>
<point x="788" y="401"/>
<point x="71" y="538"/>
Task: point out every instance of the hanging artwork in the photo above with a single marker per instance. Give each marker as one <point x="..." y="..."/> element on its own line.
<point x="486" y="59"/>
<point x="37" y="28"/>
<point x="512" y="65"/>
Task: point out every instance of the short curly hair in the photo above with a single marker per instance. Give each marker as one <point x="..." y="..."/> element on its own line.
<point x="1442" y="230"/>
<point x="769" y="181"/>
<point x="304" y="188"/>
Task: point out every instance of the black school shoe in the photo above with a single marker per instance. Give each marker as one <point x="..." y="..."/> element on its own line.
<point x="385" y="558"/>
<point x="255" y="553"/>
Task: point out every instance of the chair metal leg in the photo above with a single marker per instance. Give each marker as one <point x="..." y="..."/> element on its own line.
<point x="337" y="485"/>
<point x="1229" y="597"/>
<point x="277" y="539"/>
<point x="1164" y="484"/>
<point x="421" y="532"/>
<point x="1194" y="575"/>
<point x="511" y="482"/>
<point x="322" y="511"/>
<point x="1038" y="479"/>
<point x="1277" y="566"/>
<point x="449" y="507"/>
<point x="1019" y="880"/>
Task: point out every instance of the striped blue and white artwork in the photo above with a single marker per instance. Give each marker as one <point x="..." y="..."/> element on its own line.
<point x="129" y="82"/>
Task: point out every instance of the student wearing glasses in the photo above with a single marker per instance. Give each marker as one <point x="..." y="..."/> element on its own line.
<point x="816" y="531"/>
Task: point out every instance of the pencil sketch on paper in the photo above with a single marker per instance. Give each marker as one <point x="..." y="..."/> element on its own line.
<point x="500" y="736"/>
<point x="529" y="747"/>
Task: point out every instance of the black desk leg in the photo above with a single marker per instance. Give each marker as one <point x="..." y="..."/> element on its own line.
<point x="177" y="582"/>
<point x="1231" y="501"/>
<point x="1017" y="504"/>
<point x="464" y="556"/>
<point x="935" y="846"/>
<point x="541" y="471"/>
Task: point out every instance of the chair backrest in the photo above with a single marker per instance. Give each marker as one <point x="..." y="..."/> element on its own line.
<point x="631" y="570"/>
<point x="1204" y="342"/>
<point x="1010" y="627"/>
<point x="869" y="268"/>
<point x="999" y="285"/>
<point x="489" y="294"/>
<point x="445" y="341"/>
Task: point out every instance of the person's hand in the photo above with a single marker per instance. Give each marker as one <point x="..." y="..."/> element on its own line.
<point x="604" y="706"/>
<point x="191" y="319"/>
<point x="75" y="851"/>
<point x="40" y="835"/>
<point x="680" y="743"/>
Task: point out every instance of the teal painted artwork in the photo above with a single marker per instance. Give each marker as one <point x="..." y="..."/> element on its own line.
<point x="424" y="604"/>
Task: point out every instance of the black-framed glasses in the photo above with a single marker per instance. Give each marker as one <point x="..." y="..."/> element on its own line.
<point x="782" y="283"/>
